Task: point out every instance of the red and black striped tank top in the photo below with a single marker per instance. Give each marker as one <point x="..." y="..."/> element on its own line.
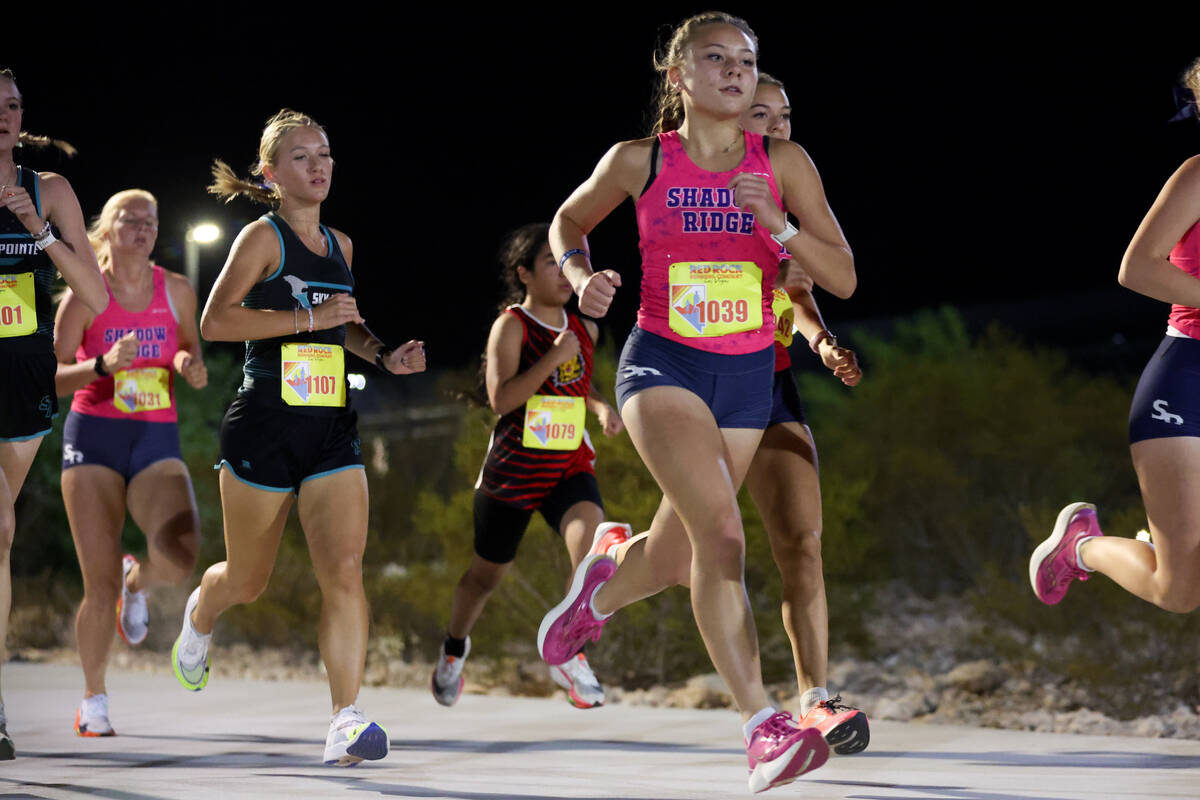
<point x="522" y="476"/>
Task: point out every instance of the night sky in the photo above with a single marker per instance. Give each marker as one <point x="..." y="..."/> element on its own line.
<point x="974" y="161"/>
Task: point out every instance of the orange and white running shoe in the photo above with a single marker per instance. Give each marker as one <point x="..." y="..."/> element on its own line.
<point x="576" y="676"/>
<point x="447" y="681"/>
<point x="91" y="719"/>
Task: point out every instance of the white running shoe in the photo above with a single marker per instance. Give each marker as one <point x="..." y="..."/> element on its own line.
<point x="133" y="618"/>
<point x="447" y="682"/>
<point x="353" y="738"/>
<point x="91" y="719"/>
<point x="576" y="676"/>
<point x="189" y="656"/>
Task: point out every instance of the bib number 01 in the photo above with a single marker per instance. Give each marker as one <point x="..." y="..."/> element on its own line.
<point x="18" y="305"/>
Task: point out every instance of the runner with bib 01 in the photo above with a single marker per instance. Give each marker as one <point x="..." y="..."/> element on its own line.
<point x="41" y="234"/>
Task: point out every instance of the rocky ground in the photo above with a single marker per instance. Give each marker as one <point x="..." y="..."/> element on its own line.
<point x="923" y="678"/>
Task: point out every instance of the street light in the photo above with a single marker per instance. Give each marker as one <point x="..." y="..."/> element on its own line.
<point x="198" y="234"/>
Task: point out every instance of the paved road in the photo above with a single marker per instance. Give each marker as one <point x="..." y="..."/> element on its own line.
<point x="241" y="738"/>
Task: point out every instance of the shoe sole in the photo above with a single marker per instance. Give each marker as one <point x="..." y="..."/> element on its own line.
<point x="121" y="628"/>
<point x="555" y="613"/>
<point x="179" y="676"/>
<point x="371" y="744"/>
<point x="806" y="755"/>
<point x="1043" y="550"/>
<point x="573" y="697"/>
<point x="433" y="687"/>
<point x="851" y="737"/>
<point x="600" y="534"/>
<point x="121" y="605"/>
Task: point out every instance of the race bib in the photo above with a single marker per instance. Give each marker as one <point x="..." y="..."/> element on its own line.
<point x="553" y="422"/>
<point x="313" y="374"/>
<point x="715" y="298"/>
<point x="785" y="317"/>
<point x="18" y="305"/>
<point x="141" y="389"/>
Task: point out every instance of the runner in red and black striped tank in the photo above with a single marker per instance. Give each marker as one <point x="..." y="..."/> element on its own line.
<point x="539" y="444"/>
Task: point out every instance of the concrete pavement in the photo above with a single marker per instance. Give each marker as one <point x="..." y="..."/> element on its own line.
<point x="241" y="738"/>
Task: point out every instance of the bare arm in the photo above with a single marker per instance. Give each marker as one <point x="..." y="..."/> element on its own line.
<point x="621" y="173"/>
<point x="597" y="403"/>
<point x="842" y="361"/>
<point x="820" y="247"/>
<point x="72" y="254"/>
<point x="506" y="388"/>
<point x="253" y="257"/>
<point x="1145" y="268"/>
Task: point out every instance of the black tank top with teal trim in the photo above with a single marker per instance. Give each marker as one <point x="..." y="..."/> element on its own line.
<point x="303" y="280"/>
<point x="19" y="260"/>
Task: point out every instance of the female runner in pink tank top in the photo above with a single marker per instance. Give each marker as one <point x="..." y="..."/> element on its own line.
<point x="1163" y="262"/>
<point x="697" y="370"/>
<point x="120" y="440"/>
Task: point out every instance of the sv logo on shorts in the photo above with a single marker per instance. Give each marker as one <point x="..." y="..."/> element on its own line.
<point x="1160" y="408"/>
<point x="71" y="455"/>
<point x="634" y="371"/>
<point x="46" y="407"/>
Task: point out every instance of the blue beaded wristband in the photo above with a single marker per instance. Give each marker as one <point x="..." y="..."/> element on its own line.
<point x="573" y="252"/>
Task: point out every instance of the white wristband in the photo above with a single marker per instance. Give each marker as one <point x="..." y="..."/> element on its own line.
<point x="787" y="233"/>
<point x="45" y="241"/>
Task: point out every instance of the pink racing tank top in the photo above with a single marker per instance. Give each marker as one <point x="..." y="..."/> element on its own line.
<point x="146" y="389"/>
<point x="708" y="268"/>
<point x="1186" y="256"/>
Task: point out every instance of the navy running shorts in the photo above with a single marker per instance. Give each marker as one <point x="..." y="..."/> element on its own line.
<point x="785" y="399"/>
<point x="28" y="404"/>
<point x="499" y="527"/>
<point x="126" y="446"/>
<point x="1167" y="399"/>
<point x="736" y="388"/>
<point x="277" y="450"/>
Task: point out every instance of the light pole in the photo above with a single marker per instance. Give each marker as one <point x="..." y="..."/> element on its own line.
<point x="198" y="234"/>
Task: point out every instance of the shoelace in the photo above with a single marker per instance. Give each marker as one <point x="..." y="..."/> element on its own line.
<point x="779" y="724"/>
<point x="579" y="671"/>
<point x="350" y="715"/>
<point x="835" y="704"/>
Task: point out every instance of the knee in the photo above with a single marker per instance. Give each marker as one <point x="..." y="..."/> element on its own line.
<point x="722" y="542"/>
<point x="102" y="593"/>
<point x="799" y="557"/>
<point x="8" y="527"/>
<point x="343" y="574"/>
<point x="1178" y="596"/>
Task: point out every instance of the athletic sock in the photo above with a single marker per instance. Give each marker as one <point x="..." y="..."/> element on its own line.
<point x="755" y="721"/>
<point x="454" y="647"/>
<point x="812" y="698"/>
<point x="1079" y="554"/>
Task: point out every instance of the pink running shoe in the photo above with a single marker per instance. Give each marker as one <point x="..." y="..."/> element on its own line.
<point x="1053" y="565"/>
<point x="610" y="535"/>
<point x="570" y="625"/>
<point x="779" y="752"/>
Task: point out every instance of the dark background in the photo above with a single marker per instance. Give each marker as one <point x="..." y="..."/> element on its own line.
<point x="997" y="163"/>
